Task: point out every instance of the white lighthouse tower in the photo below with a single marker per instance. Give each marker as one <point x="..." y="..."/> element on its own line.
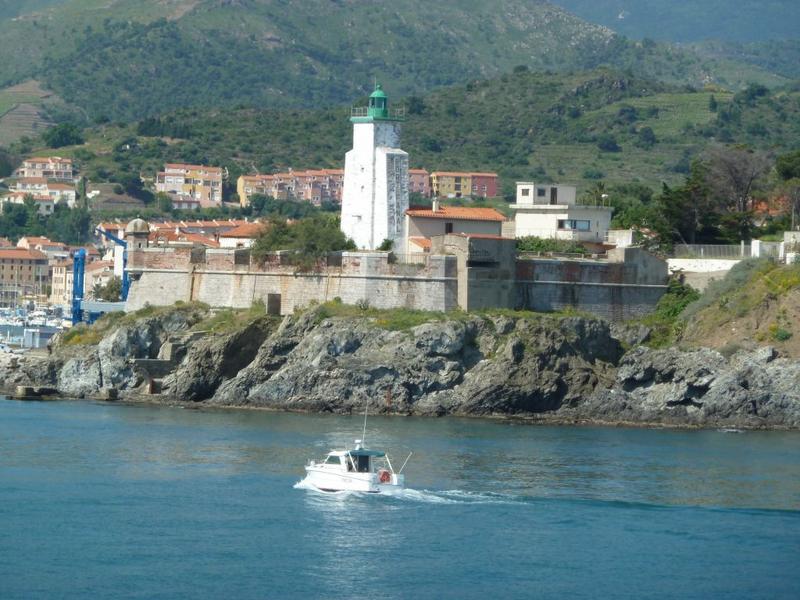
<point x="375" y="195"/>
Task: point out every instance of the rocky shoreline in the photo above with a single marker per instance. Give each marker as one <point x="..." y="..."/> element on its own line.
<point x="543" y="369"/>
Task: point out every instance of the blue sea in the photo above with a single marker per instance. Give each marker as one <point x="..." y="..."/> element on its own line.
<point x="116" y="501"/>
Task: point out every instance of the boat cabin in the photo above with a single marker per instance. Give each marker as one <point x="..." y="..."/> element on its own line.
<point x="357" y="461"/>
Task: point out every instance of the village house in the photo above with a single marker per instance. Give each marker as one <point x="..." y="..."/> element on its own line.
<point x="241" y="237"/>
<point x="315" y="186"/>
<point x="50" y="167"/>
<point x="62" y="277"/>
<point x="46" y="194"/>
<point x="100" y="272"/>
<point x="457" y="184"/>
<point x="197" y="182"/>
<point x="553" y="211"/>
<point x="23" y="272"/>
<point x="419" y="182"/>
<point x="167" y="237"/>
<point x="422" y="224"/>
<point x="207" y="228"/>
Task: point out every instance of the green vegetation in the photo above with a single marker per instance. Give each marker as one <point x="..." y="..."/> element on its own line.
<point x="665" y="322"/>
<point x="536" y="244"/>
<point x="309" y="239"/>
<point x="396" y="319"/>
<point x="231" y="319"/>
<point x="83" y="334"/>
<point x="146" y="57"/>
<point x="109" y="292"/>
<point x="721" y="292"/>
<point x="692" y="21"/>
<point x="558" y="120"/>
<point x="71" y="226"/>
<point x="65" y="134"/>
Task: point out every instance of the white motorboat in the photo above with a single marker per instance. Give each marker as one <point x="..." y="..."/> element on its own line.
<point x="355" y="470"/>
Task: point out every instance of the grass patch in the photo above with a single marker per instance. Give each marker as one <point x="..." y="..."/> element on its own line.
<point x="230" y="319"/>
<point x="403" y="319"/>
<point x="84" y="334"/>
<point x="394" y="319"/>
<point x="665" y="322"/>
<point x="720" y="292"/>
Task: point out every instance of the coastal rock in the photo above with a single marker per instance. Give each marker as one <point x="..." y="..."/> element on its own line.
<point x="26" y="369"/>
<point x="212" y="360"/>
<point x="700" y="387"/>
<point x="440" y="367"/>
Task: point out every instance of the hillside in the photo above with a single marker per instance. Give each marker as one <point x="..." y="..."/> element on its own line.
<point x="692" y="20"/>
<point x="758" y="302"/>
<point x="523" y="125"/>
<point x="126" y="59"/>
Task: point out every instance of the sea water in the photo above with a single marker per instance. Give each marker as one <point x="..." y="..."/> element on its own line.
<point x="115" y="501"/>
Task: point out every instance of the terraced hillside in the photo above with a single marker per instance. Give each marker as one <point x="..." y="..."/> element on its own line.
<point x="22" y="111"/>
<point x="127" y="59"/>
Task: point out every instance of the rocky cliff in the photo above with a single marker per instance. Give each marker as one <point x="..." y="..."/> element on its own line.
<point x="567" y="369"/>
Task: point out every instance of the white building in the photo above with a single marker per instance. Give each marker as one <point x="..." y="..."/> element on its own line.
<point x="375" y="195"/>
<point x="552" y="211"/>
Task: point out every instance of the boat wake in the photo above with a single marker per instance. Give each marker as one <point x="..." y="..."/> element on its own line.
<point x="423" y="496"/>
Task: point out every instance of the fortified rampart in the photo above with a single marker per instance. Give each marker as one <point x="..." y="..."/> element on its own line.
<point x="469" y="272"/>
<point x="231" y="278"/>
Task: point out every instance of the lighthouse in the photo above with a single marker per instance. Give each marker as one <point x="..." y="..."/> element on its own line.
<point x="375" y="195"/>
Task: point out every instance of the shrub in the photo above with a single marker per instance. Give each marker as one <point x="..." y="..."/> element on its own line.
<point x="608" y="143"/>
<point x="537" y="244"/>
<point x="735" y="279"/>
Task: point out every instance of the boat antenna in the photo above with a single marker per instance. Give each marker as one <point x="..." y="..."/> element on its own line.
<point x="364" y="432"/>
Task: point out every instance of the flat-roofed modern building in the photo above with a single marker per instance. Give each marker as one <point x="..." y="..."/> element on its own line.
<point x="553" y="211"/>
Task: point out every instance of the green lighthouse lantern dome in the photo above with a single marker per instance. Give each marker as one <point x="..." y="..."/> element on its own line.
<point x="378" y="103"/>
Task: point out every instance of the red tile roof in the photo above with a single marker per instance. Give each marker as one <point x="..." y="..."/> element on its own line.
<point x="100" y="264"/>
<point x="168" y="236"/>
<point x="248" y="230"/>
<point x="421" y="242"/>
<point x="21" y="253"/>
<point x="55" y="159"/>
<point x="215" y="170"/>
<point x="482" y="236"/>
<point x="462" y="213"/>
<point x="461" y="174"/>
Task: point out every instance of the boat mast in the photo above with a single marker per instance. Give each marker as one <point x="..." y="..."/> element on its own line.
<point x="364" y="432"/>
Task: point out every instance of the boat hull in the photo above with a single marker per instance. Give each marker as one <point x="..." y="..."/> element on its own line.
<point x="331" y="481"/>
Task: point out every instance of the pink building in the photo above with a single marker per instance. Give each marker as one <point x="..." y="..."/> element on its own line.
<point x="484" y="185"/>
<point x="419" y="181"/>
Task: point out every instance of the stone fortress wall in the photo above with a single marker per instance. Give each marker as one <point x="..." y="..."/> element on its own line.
<point x="466" y="272"/>
<point x="231" y="278"/>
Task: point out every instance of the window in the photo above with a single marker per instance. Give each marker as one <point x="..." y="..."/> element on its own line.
<point x="525" y="192"/>
<point x="541" y="192"/>
<point x="574" y="224"/>
<point x="448" y="228"/>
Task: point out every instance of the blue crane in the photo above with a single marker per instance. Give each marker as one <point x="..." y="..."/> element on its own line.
<point x="78" y="292"/>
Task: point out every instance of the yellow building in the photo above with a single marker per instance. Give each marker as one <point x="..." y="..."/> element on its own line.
<point x="197" y="182"/>
<point x="458" y="184"/>
<point x="450" y="184"/>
